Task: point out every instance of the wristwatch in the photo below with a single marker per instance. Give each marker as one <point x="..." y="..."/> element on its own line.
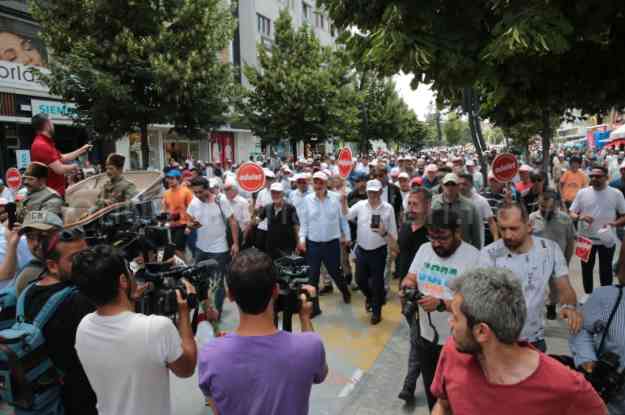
<point x="441" y="306"/>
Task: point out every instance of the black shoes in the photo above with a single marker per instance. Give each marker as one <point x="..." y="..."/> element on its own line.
<point x="368" y="307"/>
<point x="347" y="296"/>
<point x="407" y="396"/>
<point x="376" y="317"/>
<point x="551" y="312"/>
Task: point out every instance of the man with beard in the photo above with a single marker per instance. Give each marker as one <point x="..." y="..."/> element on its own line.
<point x="435" y="265"/>
<point x="535" y="261"/>
<point x="599" y="208"/>
<point x="484" y="366"/>
<point x="550" y="222"/>
<point x="118" y="189"/>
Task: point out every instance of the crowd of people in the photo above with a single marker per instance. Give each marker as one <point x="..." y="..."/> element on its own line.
<point x="485" y="262"/>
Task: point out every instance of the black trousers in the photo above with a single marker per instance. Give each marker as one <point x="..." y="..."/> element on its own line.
<point x="414" y="360"/>
<point x="428" y="353"/>
<point x="370" y="267"/>
<point x="606" y="255"/>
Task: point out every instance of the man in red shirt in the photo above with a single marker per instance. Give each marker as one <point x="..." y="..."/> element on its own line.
<point x="484" y="369"/>
<point x="44" y="151"/>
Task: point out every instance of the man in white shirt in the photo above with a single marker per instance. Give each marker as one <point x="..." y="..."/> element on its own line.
<point x="296" y="196"/>
<point x="599" y="209"/>
<point x="240" y="207"/>
<point x="6" y="193"/>
<point x="210" y="215"/>
<point x="535" y="261"/>
<point x="128" y="356"/>
<point x="376" y="229"/>
<point x="435" y="265"/>
<point x="478" y="177"/>
<point x="263" y="198"/>
<point x="486" y="212"/>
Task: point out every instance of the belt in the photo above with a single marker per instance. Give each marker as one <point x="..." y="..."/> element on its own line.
<point x="372" y="250"/>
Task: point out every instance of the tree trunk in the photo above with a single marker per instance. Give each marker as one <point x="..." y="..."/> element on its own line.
<point x="145" y="147"/>
<point x="547" y="135"/>
<point x="470" y="104"/>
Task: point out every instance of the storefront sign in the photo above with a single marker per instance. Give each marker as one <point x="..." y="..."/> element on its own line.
<point x="23" y="158"/>
<point x="505" y="167"/>
<point x="56" y="110"/>
<point x="251" y="177"/>
<point x="345" y="162"/>
<point x="21" y="51"/>
<point x="15" y="75"/>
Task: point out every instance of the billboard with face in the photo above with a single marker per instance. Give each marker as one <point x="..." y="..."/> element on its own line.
<point x="20" y="51"/>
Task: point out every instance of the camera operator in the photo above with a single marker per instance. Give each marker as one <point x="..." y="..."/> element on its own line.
<point x="587" y="347"/>
<point x="282" y="224"/>
<point x="484" y="366"/>
<point x="284" y="365"/>
<point x="60" y="331"/>
<point x="436" y="264"/>
<point x="136" y="381"/>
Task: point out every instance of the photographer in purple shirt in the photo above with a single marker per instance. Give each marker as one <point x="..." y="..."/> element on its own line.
<point x="258" y="369"/>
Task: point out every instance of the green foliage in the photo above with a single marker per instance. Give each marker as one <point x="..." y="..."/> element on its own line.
<point x="128" y="64"/>
<point x="301" y="89"/>
<point x="456" y="130"/>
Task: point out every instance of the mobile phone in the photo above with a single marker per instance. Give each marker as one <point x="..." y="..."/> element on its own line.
<point x="10" y="209"/>
<point x="375" y="221"/>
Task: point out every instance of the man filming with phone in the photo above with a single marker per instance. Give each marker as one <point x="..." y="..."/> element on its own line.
<point x="259" y="369"/>
<point x="128" y="356"/>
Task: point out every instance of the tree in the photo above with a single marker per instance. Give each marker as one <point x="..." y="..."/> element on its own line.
<point x="300" y="90"/>
<point x="127" y="65"/>
<point x="520" y="61"/>
<point x="456" y="130"/>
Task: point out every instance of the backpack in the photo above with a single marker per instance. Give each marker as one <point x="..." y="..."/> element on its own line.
<point x="8" y="306"/>
<point x="29" y="381"/>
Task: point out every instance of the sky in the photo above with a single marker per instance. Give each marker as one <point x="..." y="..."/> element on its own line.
<point x="418" y="100"/>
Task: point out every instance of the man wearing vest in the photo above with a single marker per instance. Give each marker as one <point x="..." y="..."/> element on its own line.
<point x="40" y="196"/>
<point x="282" y="224"/>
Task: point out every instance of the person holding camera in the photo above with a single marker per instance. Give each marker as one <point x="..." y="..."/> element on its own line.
<point x="128" y="356"/>
<point x="484" y="366"/>
<point x="435" y="265"/>
<point x="258" y="369"/>
<point x="603" y="335"/>
<point x="377" y="230"/>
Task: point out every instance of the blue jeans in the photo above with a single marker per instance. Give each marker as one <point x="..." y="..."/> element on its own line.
<point x="330" y="254"/>
<point x="223" y="259"/>
<point x="191" y="241"/>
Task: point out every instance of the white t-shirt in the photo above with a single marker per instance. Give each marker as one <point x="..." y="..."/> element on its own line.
<point x="125" y="358"/>
<point x="535" y="268"/>
<point x="362" y="212"/>
<point x="433" y="276"/>
<point x="8" y="194"/>
<point x="604" y="206"/>
<point x="262" y="199"/>
<point x="211" y="237"/>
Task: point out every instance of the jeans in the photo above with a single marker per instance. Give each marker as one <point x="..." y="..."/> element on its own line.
<point x="370" y="275"/>
<point x="414" y="363"/>
<point x="605" y="267"/>
<point x="328" y="253"/>
<point x="191" y="241"/>
<point x="429" y="354"/>
<point x="223" y="259"/>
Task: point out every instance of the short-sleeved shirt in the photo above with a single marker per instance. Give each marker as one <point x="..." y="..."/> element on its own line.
<point x="534" y="269"/>
<point x="262" y="375"/>
<point x="559" y="228"/>
<point x="551" y="389"/>
<point x="362" y="213"/>
<point x="433" y="277"/>
<point x="603" y="205"/>
<point x="572" y="182"/>
<point x="125" y="357"/>
<point x="44" y="151"/>
<point x="177" y="201"/>
<point x="211" y="236"/>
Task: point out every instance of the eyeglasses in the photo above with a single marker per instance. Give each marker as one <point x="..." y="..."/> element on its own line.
<point x="66" y="235"/>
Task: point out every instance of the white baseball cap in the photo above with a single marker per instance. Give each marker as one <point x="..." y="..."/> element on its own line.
<point x="276" y="187"/>
<point x="269" y="173"/>
<point x="470" y="163"/>
<point x="404" y="175"/>
<point x="450" y="178"/>
<point x="525" y="167"/>
<point x="374" y="186"/>
<point x="321" y="176"/>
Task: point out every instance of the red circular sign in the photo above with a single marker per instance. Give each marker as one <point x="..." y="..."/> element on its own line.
<point x="251" y="177"/>
<point x="13" y="178"/>
<point x="345" y="162"/>
<point x="505" y="167"/>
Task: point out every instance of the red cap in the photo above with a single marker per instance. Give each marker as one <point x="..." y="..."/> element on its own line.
<point x="416" y="181"/>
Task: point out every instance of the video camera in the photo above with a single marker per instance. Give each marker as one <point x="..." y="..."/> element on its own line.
<point x="410" y="306"/>
<point x="607" y="378"/>
<point x="292" y="273"/>
<point x="161" y="297"/>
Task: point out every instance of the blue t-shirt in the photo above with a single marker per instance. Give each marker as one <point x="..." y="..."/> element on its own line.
<point x="262" y="375"/>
